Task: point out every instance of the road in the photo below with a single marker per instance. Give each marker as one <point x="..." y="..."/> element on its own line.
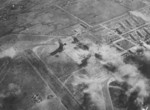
<point x="53" y="82"/>
<point x="106" y="94"/>
<point x="3" y="68"/>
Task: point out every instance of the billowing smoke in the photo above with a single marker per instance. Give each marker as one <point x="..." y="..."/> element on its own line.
<point x="110" y="64"/>
<point x="42" y="105"/>
<point x="10" y="52"/>
<point x="146" y="2"/>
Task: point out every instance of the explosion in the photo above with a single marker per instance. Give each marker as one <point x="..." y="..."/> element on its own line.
<point x="104" y="63"/>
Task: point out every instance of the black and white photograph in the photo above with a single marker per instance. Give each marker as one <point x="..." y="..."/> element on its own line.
<point x="74" y="54"/>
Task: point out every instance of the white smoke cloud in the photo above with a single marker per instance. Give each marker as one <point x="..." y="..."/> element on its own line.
<point x="96" y="74"/>
<point x="110" y="54"/>
<point x="42" y="105"/>
<point x="48" y="104"/>
<point x="10" y="52"/>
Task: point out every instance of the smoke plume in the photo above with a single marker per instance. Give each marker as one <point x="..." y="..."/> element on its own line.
<point x="110" y="65"/>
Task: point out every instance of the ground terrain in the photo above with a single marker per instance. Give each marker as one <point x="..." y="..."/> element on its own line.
<point x="34" y="78"/>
